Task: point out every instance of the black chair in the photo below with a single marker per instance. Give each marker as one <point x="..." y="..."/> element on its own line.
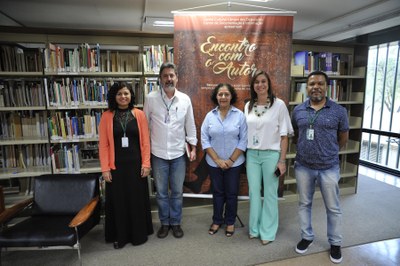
<point x="63" y="209"/>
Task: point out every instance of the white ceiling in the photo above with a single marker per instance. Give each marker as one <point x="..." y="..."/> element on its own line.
<point x="329" y="20"/>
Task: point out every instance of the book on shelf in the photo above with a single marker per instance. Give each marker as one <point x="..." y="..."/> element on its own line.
<point x="297" y="70"/>
<point x="21" y="160"/>
<point x="301" y="59"/>
<point x="16" y="125"/>
<point x="4" y="125"/>
<point x="2" y="95"/>
<point x="300" y="92"/>
<point x="138" y="89"/>
<point x="20" y="59"/>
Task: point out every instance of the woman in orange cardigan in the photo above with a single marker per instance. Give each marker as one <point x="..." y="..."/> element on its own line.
<point x="124" y="149"/>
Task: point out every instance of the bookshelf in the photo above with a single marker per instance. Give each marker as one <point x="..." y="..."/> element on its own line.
<point x="24" y="147"/>
<point x="73" y="72"/>
<point x="346" y="71"/>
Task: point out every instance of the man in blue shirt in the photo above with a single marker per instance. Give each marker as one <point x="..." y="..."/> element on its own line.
<point x="321" y="129"/>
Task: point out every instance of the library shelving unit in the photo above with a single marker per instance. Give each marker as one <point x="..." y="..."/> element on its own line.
<point x="71" y="78"/>
<point x="345" y="65"/>
<point x="77" y="78"/>
<point x="24" y="147"/>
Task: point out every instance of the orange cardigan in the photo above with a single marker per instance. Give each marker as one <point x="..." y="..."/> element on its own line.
<point x="106" y="139"/>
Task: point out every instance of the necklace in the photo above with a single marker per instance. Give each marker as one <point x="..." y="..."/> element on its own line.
<point x="266" y="107"/>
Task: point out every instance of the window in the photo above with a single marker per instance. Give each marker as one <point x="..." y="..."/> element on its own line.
<point x="381" y="124"/>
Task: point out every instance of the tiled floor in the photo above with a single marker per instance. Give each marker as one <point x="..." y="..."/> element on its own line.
<point x="385" y="253"/>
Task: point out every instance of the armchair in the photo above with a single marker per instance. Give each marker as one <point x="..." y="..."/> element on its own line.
<point x="63" y="209"/>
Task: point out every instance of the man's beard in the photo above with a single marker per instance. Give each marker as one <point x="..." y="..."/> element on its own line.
<point x="317" y="98"/>
<point x="169" y="87"/>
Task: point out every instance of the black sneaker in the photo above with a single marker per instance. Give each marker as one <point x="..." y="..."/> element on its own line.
<point x="303" y="245"/>
<point x="163" y="231"/>
<point x="336" y="254"/>
<point x="177" y="231"/>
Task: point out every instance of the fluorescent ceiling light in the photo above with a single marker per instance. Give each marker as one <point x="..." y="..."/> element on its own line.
<point x="163" y="23"/>
<point x="160" y="22"/>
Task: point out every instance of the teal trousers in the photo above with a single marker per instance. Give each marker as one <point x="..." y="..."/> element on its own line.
<point x="264" y="214"/>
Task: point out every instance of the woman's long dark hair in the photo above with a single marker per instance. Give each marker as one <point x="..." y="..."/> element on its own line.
<point x="112" y="103"/>
<point x="253" y="94"/>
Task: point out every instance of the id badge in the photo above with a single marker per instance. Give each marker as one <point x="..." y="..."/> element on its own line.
<point x="255" y="140"/>
<point x="125" y="142"/>
<point x="310" y="134"/>
<point x="166" y="119"/>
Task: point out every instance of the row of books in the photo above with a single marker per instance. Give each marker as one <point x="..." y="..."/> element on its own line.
<point x="20" y="93"/>
<point x="120" y="61"/>
<point x="71" y="158"/>
<point x="330" y="63"/>
<point x="73" y="125"/>
<point x="86" y="58"/>
<point x="65" y="159"/>
<point x="336" y="91"/>
<point x="66" y="92"/>
<point x="22" y="124"/>
<point x="155" y="55"/>
<point x="59" y="58"/>
<point x="17" y="59"/>
<point x="75" y="92"/>
<point x="24" y="156"/>
<point x="82" y="58"/>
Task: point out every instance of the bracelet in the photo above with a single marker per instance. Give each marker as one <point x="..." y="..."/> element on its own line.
<point x="231" y="160"/>
<point x="282" y="161"/>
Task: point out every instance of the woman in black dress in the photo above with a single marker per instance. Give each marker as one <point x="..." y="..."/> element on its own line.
<point x="124" y="148"/>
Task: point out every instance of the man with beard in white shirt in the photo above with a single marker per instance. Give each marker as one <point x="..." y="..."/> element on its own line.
<point x="171" y="122"/>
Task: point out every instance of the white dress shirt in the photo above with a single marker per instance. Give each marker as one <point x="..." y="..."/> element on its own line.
<point x="171" y="123"/>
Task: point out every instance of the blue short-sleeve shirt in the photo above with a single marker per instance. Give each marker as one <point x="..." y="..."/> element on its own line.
<point x="323" y="151"/>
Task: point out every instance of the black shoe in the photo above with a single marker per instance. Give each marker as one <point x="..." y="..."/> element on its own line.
<point x="336" y="254"/>
<point x="163" y="231"/>
<point x="229" y="233"/>
<point x="212" y="231"/>
<point x="116" y="246"/>
<point x="177" y="231"/>
<point x="303" y="245"/>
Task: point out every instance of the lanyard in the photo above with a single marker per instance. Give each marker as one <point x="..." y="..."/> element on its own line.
<point x="312" y="118"/>
<point x="123" y="125"/>
<point x="166" y="106"/>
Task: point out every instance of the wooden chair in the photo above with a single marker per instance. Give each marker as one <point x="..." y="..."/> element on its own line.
<point x="63" y="209"/>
